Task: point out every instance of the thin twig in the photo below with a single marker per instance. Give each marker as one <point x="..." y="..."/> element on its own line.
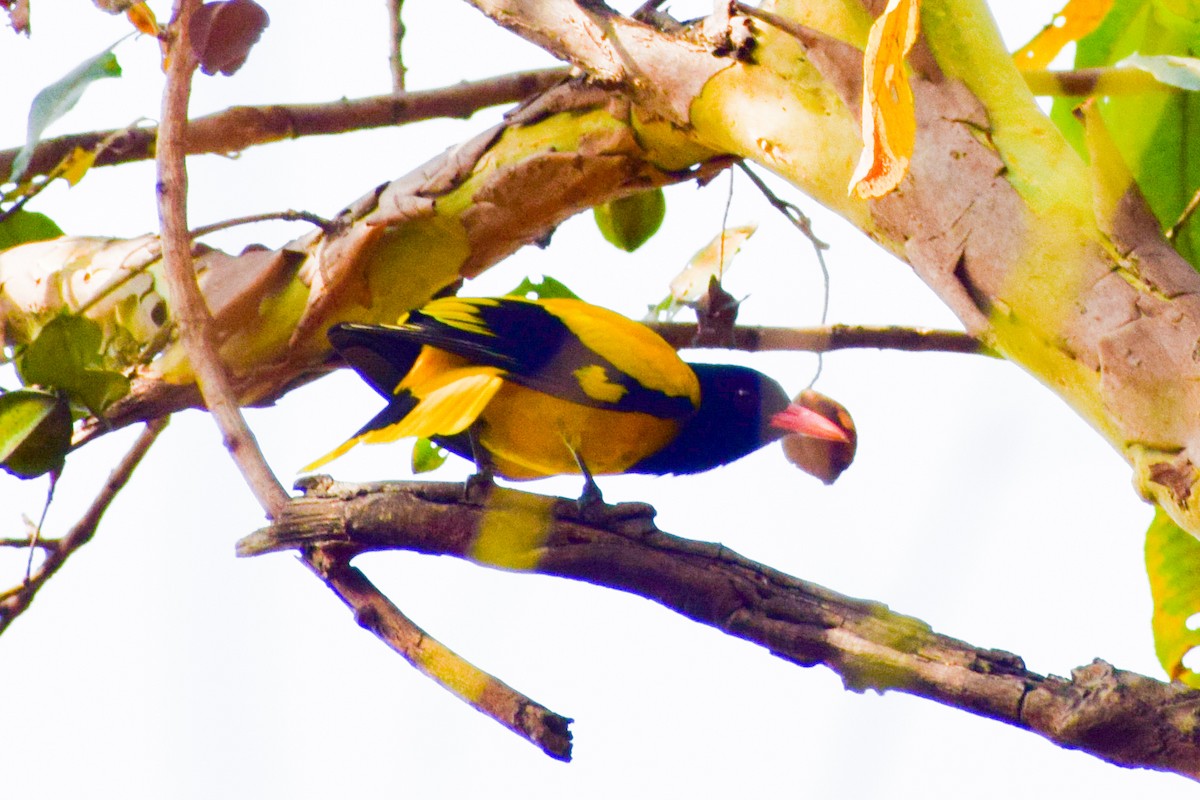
<point x="241" y="127"/>
<point x="802" y="223"/>
<point x="396" y="57"/>
<point x="825" y="339"/>
<point x="1192" y="205"/>
<point x="266" y="216"/>
<point x="187" y="306"/>
<point x="14" y="601"/>
<point x="372" y="610"/>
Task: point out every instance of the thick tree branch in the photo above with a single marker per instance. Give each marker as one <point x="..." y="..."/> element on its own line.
<point x="14" y="601"/>
<point x="1121" y="717"/>
<point x="241" y="127"/>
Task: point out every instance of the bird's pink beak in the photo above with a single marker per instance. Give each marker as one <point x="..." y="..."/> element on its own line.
<point x="798" y="419"/>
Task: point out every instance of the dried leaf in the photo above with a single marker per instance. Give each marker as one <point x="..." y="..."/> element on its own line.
<point x="222" y="34"/>
<point x="711" y="261"/>
<point x="1077" y="19"/>
<point x="1172" y="564"/>
<point x="889" y="126"/>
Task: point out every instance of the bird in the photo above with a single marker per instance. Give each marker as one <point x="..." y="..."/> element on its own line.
<point x="533" y="388"/>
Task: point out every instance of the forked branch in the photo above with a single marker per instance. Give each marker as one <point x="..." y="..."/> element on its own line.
<point x="1118" y="716"/>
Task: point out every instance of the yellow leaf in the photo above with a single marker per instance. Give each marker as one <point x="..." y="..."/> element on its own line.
<point x="143" y="19"/>
<point x="1077" y="19"/>
<point x="1173" y="565"/>
<point x="74" y="166"/>
<point x="889" y="127"/>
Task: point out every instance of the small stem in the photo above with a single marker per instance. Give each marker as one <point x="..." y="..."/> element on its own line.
<point x="396" y="58"/>
<point x="1192" y="205"/>
<point x="266" y="216"/>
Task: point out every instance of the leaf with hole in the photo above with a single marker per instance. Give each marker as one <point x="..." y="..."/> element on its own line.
<point x="1172" y="563"/>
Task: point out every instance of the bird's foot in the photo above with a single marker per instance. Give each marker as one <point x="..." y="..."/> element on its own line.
<point x="478" y="487"/>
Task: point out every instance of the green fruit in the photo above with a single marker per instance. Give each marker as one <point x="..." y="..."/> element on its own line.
<point x="629" y="223"/>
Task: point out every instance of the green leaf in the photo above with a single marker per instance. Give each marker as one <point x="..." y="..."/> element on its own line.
<point x="1173" y="565"/>
<point x="427" y="456"/>
<point x="546" y="288"/>
<point x="629" y="223"/>
<point x="27" y="226"/>
<point x="60" y="97"/>
<point x="66" y="355"/>
<point x="35" y="432"/>
<point x="1163" y="157"/>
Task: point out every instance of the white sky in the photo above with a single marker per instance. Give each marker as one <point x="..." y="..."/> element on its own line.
<point x="158" y="665"/>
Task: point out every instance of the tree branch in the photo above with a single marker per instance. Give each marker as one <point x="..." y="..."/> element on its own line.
<point x="372" y="610"/>
<point x="14" y="601"/>
<point x="241" y="127"/>
<point x="187" y="304"/>
<point x="1118" y="716"/>
<point x="824" y="339"/>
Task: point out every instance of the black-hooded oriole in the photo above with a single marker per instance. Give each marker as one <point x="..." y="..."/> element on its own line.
<point x="532" y="388"/>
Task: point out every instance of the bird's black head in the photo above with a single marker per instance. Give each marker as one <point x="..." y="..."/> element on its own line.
<point x="737" y="405"/>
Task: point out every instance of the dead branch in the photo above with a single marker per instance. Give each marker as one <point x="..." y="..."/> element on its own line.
<point x="1121" y="717"/>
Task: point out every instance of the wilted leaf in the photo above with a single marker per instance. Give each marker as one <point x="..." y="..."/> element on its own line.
<point x="544" y="289"/>
<point x="222" y="34"/>
<point x="822" y="458"/>
<point x="1172" y="564"/>
<point x="628" y="223"/>
<point x="427" y="456"/>
<point x="35" y="432"/>
<point x="58" y="98"/>
<point x="711" y="261"/>
<point x="889" y="126"/>
<point x="1077" y="19"/>
<point x="1179" y="71"/>
<point x="27" y="226"/>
